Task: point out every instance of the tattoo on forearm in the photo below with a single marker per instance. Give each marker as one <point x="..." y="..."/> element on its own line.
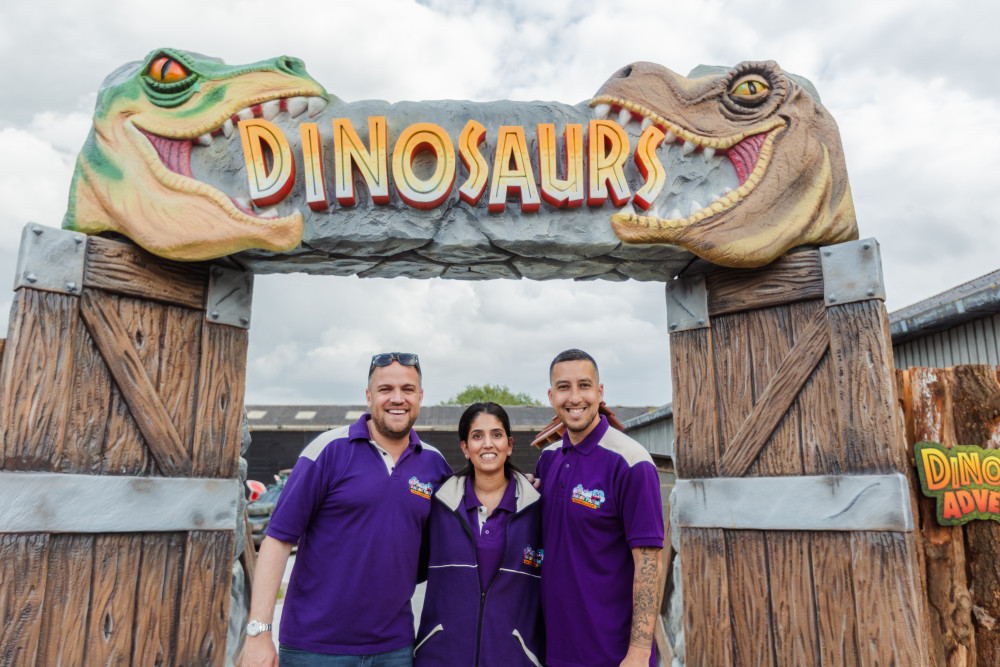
<point x="645" y="597"/>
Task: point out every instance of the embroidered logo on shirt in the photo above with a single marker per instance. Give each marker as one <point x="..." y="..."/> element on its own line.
<point x="533" y="557"/>
<point x="422" y="490"/>
<point x="592" y="499"/>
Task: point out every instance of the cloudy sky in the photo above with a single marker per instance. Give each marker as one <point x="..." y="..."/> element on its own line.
<point x="913" y="86"/>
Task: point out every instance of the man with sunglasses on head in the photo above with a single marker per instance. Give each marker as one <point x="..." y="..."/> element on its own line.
<point x="355" y="504"/>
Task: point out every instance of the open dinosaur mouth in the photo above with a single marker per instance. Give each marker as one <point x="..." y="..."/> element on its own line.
<point x="175" y="154"/>
<point x="729" y="169"/>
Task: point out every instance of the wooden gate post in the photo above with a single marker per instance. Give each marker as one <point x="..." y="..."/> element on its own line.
<point x="121" y="396"/>
<point x="797" y="544"/>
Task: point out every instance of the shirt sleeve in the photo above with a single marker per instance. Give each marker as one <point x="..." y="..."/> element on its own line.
<point x="642" y="508"/>
<point x="302" y="495"/>
<point x="540" y="465"/>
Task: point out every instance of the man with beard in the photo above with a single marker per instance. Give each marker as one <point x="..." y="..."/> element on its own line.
<point x="602" y="527"/>
<point x="356" y="504"/>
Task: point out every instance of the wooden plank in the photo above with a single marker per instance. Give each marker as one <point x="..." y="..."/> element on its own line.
<point x="775" y="400"/>
<point x="707" y="620"/>
<point x="180" y="360"/>
<point x="126" y="367"/>
<point x="112" y="599"/>
<point x="158" y="599"/>
<point x="23" y="571"/>
<point x="749" y="598"/>
<point x="834" y="594"/>
<point x="89" y="408"/>
<point x="696" y="440"/>
<point x="793" y="609"/>
<point x="884" y="566"/>
<point x="127" y="269"/>
<point x="733" y="374"/>
<point x="219" y="406"/>
<point x="37" y="378"/>
<point x="821" y="449"/>
<point x="865" y="388"/>
<point x="63" y="634"/>
<point x="204" y="602"/>
<point x="794" y="277"/>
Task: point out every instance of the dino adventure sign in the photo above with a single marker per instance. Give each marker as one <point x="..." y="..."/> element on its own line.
<point x="193" y="159"/>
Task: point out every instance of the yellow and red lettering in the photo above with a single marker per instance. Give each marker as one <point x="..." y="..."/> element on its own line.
<point x="936" y="468"/>
<point x="951" y="509"/>
<point x="371" y="162"/>
<point x="561" y="192"/>
<point x="994" y="504"/>
<point x="312" y="164"/>
<point x="415" y="191"/>
<point x="608" y="147"/>
<point x="650" y="166"/>
<point x="991" y="470"/>
<point x="468" y="148"/>
<point x="965" y="501"/>
<point x="267" y="185"/>
<point x="512" y="170"/>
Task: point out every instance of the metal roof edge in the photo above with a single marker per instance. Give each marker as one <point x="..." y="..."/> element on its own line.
<point x="969" y="301"/>
<point x="659" y="414"/>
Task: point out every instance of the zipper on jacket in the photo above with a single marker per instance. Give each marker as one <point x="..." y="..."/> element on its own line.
<point x="479" y="625"/>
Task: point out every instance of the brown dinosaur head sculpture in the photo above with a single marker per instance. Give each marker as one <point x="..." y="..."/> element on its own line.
<point x="783" y="144"/>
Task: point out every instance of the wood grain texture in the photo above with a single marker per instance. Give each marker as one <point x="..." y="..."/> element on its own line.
<point x="204" y="606"/>
<point x="822" y="449"/>
<point x="749" y="597"/>
<point x="793" y="608"/>
<point x="776" y="399"/>
<point x="833" y="586"/>
<point x="112" y="599"/>
<point x="885" y="569"/>
<point x="127" y="368"/>
<point x="180" y="361"/>
<point x="23" y="569"/>
<point x="797" y="276"/>
<point x="219" y="406"/>
<point x="89" y="408"/>
<point x="696" y="438"/>
<point x="707" y="626"/>
<point x="158" y="598"/>
<point x="127" y="269"/>
<point x="37" y="378"/>
<point x="861" y="357"/>
<point x="62" y="640"/>
<point x="731" y="351"/>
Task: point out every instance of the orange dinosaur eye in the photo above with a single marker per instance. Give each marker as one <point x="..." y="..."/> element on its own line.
<point x="750" y="86"/>
<point x="167" y="70"/>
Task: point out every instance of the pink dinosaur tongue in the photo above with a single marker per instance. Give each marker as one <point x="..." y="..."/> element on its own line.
<point x="175" y="155"/>
<point x="744" y="155"/>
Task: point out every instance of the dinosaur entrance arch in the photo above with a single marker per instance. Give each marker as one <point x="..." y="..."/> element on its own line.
<point x="126" y="367"/>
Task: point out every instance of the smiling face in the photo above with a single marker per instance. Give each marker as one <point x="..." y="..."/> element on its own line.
<point x="488" y="445"/>
<point x="394" y="396"/>
<point x="576" y="396"/>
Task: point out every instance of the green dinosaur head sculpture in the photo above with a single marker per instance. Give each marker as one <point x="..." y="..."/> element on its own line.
<point x="133" y="175"/>
<point x="784" y="145"/>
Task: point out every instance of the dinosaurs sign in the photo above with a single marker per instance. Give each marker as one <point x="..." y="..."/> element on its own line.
<point x="193" y="159"/>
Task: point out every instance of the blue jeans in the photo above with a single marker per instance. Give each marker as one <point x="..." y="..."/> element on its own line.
<point x="293" y="657"/>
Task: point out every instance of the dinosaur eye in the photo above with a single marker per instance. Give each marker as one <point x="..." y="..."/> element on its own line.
<point x="750" y="87"/>
<point x="167" y="70"/>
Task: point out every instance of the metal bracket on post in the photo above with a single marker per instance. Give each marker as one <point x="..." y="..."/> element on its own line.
<point x="230" y="296"/>
<point x="51" y="259"/>
<point x="687" y="304"/>
<point x="852" y="271"/>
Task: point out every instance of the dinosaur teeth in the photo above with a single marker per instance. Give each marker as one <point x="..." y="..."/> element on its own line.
<point x="270" y="109"/>
<point x="244" y="114"/>
<point x="669" y="138"/>
<point x="688" y="148"/>
<point x="647" y="123"/>
<point x="243" y="202"/>
<point x="708" y="154"/>
<point x="227" y="128"/>
<point x="316" y="104"/>
<point x="601" y="111"/>
<point x="624" y="117"/>
<point x="205" y="139"/>
<point x="675" y="214"/>
<point x="269" y="213"/>
<point x="695" y="207"/>
<point x="297" y="106"/>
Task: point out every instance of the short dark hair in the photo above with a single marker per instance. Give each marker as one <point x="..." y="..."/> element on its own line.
<point x="573" y="354"/>
<point x="465" y="425"/>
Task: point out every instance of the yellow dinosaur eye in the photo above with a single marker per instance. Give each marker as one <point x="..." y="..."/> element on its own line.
<point x="750" y="87"/>
<point x="167" y="70"/>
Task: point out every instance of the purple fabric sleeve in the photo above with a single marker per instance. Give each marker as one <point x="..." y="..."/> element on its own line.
<point x="641" y="508"/>
<point x="300" y="498"/>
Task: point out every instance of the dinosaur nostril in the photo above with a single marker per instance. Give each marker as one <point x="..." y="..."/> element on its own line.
<point x="625" y="72"/>
<point x="291" y="65"/>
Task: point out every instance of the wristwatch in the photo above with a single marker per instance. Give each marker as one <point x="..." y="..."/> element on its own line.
<point x="254" y="628"/>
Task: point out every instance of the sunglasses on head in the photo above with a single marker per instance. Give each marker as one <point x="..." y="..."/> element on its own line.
<point x="404" y="358"/>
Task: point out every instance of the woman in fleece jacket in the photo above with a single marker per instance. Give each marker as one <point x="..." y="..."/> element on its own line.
<point x="482" y="603"/>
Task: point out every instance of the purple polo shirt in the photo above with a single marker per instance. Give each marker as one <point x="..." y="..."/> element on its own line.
<point x="358" y="529"/>
<point x="490" y="536"/>
<point x="600" y="499"/>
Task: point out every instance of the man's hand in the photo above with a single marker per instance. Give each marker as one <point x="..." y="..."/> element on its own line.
<point x="534" y="481"/>
<point x="259" y="652"/>
<point x="645" y="605"/>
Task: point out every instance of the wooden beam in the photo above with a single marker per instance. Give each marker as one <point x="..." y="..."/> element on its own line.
<point x="779" y="395"/>
<point x="137" y="389"/>
<point x="796" y="276"/>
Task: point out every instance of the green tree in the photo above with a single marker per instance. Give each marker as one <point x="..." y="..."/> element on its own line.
<point x="490" y="393"/>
